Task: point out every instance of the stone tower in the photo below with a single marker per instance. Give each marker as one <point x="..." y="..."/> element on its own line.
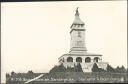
<point x="77" y="35"/>
<point x="78" y="51"/>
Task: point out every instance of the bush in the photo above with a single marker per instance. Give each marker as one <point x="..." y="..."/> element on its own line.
<point x="123" y="69"/>
<point x="30" y="72"/>
<point x="13" y="73"/>
<point x="110" y="69"/>
<point x="120" y="69"/>
<point x="95" y="68"/>
<point x="59" y="68"/>
<point x="78" y="68"/>
<point x="7" y="75"/>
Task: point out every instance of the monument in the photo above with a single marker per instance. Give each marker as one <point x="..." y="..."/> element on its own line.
<point x="78" y="51"/>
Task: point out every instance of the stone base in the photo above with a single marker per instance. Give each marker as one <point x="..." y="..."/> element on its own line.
<point x="85" y="59"/>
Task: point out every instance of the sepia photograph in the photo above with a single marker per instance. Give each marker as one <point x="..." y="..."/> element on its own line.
<point x="64" y="42"/>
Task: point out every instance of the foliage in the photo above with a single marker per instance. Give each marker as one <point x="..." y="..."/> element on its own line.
<point x="78" y="68"/>
<point x="7" y="75"/>
<point x="75" y="73"/>
<point x="127" y="70"/>
<point x="95" y="68"/>
<point x="61" y="68"/>
<point x="120" y="69"/>
<point x="30" y="72"/>
<point x="123" y="69"/>
<point x="110" y="68"/>
<point x="13" y="73"/>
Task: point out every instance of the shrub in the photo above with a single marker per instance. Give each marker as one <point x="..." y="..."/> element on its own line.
<point x="127" y="70"/>
<point x="59" y="68"/>
<point x="13" y="73"/>
<point x="123" y="69"/>
<point x="120" y="69"/>
<point x="110" y="69"/>
<point x="95" y="68"/>
<point x="7" y="75"/>
<point x="30" y="72"/>
<point x="78" y="68"/>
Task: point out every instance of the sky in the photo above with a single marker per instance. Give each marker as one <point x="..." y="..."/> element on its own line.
<point x="35" y="34"/>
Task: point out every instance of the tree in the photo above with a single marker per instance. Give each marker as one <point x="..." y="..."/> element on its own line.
<point x="7" y="75"/>
<point x="59" y="68"/>
<point x="30" y="72"/>
<point x="117" y="69"/>
<point x="120" y="69"/>
<point x="123" y="69"/>
<point x="110" y="69"/>
<point x="78" y="68"/>
<point x="13" y="73"/>
<point x="127" y="71"/>
<point x="95" y="68"/>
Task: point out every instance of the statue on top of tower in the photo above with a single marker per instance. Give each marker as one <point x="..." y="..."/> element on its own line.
<point x="77" y="12"/>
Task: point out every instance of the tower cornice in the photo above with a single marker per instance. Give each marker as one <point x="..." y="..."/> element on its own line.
<point x="77" y="30"/>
